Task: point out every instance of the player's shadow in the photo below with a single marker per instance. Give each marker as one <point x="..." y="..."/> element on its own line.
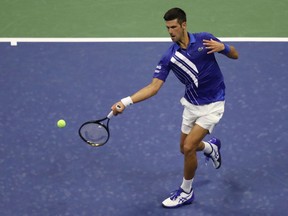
<point x="202" y="183"/>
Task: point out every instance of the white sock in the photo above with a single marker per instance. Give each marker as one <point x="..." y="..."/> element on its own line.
<point x="207" y="148"/>
<point x="187" y="185"/>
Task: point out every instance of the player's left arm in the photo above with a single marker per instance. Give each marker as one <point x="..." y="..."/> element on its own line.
<point x="217" y="46"/>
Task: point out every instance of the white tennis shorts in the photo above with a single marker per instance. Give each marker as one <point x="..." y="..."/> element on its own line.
<point x="206" y="116"/>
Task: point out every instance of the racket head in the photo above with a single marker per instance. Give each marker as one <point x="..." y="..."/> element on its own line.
<point x="95" y="133"/>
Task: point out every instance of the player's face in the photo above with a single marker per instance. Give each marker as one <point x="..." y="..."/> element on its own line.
<point x="176" y="30"/>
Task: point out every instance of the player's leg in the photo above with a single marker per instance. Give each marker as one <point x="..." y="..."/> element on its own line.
<point x="192" y="144"/>
<point x="208" y="117"/>
<point x="213" y="113"/>
<point x="189" y="145"/>
<point x="196" y="124"/>
<point x="210" y="148"/>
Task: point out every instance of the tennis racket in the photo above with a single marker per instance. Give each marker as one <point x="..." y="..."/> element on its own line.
<point x="96" y="133"/>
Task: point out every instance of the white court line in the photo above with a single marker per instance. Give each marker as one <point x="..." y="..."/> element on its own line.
<point x="14" y="41"/>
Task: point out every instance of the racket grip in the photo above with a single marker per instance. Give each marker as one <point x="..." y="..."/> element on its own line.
<point x="110" y="115"/>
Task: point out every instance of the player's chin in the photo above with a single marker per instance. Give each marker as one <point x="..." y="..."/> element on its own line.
<point x="174" y="39"/>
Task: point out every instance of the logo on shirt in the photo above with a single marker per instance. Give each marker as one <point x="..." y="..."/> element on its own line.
<point x="200" y="49"/>
<point x="158" y="68"/>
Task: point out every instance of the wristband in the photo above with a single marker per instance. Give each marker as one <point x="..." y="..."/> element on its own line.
<point x="226" y="49"/>
<point x="127" y="101"/>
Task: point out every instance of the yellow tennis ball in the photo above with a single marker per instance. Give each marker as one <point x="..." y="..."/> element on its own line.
<point x="61" y="123"/>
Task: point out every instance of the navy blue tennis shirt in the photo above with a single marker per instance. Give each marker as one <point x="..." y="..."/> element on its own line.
<point x="197" y="70"/>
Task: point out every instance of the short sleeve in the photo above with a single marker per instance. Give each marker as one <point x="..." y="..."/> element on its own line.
<point x="163" y="67"/>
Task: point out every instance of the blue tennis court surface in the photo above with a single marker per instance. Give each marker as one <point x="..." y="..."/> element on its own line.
<point x="50" y="171"/>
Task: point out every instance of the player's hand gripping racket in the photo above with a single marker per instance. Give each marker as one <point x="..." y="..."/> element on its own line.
<point x="96" y="133"/>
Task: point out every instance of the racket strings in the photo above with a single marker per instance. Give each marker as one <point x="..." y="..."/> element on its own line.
<point x="95" y="133"/>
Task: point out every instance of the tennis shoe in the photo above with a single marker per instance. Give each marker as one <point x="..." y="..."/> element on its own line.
<point x="178" y="198"/>
<point x="215" y="155"/>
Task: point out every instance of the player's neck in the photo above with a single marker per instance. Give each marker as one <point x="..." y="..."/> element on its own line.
<point x="184" y="42"/>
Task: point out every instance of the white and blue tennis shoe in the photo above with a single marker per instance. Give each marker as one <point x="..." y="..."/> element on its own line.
<point x="178" y="198"/>
<point x="215" y="155"/>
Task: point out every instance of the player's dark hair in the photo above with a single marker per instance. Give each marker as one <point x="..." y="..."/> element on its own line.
<point x="175" y="13"/>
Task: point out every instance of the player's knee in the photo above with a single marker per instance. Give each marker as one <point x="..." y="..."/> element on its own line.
<point x="189" y="148"/>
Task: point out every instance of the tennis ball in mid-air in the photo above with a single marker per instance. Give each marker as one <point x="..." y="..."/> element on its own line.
<point x="61" y="123"/>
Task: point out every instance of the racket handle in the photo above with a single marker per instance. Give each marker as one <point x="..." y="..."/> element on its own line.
<point x="110" y="115"/>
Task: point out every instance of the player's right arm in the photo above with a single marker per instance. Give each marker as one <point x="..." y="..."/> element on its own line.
<point x="148" y="91"/>
<point x="141" y="95"/>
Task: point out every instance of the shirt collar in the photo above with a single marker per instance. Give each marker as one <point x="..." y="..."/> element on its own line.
<point x="191" y="40"/>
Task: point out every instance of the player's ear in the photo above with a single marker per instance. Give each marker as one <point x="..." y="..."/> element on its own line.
<point x="184" y="25"/>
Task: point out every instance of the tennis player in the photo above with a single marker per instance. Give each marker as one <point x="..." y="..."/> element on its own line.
<point x="191" y="57"/>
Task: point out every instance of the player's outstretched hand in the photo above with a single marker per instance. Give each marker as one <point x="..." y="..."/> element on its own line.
<point x="213" y="46"/>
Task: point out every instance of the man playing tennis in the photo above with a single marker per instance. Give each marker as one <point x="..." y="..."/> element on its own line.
<point x="191" y="58"/>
